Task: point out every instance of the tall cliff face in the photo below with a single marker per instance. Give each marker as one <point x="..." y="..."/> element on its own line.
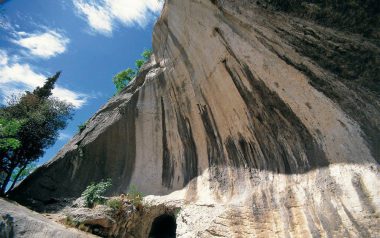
<point x="255" y="121"/>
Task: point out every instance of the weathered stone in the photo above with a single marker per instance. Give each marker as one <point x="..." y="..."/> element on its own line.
<point x="100" y="215"/>
<point x="18" y="221"/>
<point x="256" y="123"/>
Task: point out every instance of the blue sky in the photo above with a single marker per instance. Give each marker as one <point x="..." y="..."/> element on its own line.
<point x="88" y="40"/>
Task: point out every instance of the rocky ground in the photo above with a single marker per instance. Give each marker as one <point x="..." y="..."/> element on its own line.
<point x="18" y="221"/>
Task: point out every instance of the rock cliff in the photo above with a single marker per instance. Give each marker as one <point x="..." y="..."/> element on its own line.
<point x="256" y="120"/>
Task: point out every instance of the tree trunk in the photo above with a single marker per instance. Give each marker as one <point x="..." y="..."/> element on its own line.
<point x="6" y="181"/>
<point x="16" y="178"/>
<point x="12" y="167"/>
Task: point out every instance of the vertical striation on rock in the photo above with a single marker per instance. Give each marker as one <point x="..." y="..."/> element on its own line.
<point x="258" y="122"/>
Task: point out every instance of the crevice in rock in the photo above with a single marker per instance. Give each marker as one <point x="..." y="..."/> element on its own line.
<point x="190" y="168"/>
<point x="167" y="165"/>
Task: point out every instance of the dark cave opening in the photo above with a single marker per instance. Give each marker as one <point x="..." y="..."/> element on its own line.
<point x="163" y="226"/>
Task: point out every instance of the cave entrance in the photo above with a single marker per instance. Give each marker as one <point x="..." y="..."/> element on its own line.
<point x="163" y="226"/>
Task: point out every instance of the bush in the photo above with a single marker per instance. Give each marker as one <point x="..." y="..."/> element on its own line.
<point x="115" y="204"/>
<point x="93" y="193"/>
<point x="69" y="221"/>
<point x="82" y="127"/>
<point x="146" y="54"/>
<point x="139" y="63"/>
<point x="134" y="196"/>
<point x="84" y="228"/>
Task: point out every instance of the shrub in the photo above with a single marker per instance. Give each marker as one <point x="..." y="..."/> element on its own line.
<point x="84" y="228"/>
<point x="139" y="63"/>
<point x="115" y="203"/>
<point x="134" y="196"/>
<point x="93" y="193"/>
<point x="69" y="221"/>
<point x="82" y="127"/>
<point x="146" y="54"/>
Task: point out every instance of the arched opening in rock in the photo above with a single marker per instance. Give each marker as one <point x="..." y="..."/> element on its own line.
<point x="163" y="226"/>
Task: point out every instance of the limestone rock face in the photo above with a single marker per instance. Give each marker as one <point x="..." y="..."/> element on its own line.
<point x="18" y="221"/>
<point x="257" y="123"/>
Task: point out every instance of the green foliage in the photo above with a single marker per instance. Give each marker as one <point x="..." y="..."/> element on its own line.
<point x="8" y="132"/>
<point x="139" y="63"/>
<point x="46" y="90"/>
<point x="115" y="204"/>
<point x="134" y="196"/>
<point x="30" y="124"/>
<point x="122" y="79"/>
<point x="82" y="126"/>
<point x="94" y="192"/>
<point x="84" y="228"/>
<point x="69" y="221"/>
<point x="147" y="54"/>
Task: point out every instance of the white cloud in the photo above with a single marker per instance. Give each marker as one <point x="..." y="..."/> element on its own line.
<point x="98" y="17"/>
<point x="3" y="57"/>
<point x="75" y="98"/>
<point x="16" y="78"/>
<point x="64" y="136"/>
<point x="44" y="45"/>
<point x="102" y="15"/>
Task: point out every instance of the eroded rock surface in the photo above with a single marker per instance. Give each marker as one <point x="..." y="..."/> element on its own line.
<point x="127" y="220"/>
<point x="18" y="221"/>
<point x="257" y="123"/>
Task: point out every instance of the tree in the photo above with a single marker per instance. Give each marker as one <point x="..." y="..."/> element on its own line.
<point x="122" y="79"/>
<point x="146" y="54"/>
<point x="34" y="120"/>
<point x="8" y="131"/>
<point x="19" y="174"/>
<point x="8" y="142"/>
<point x="139" y="63"/>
